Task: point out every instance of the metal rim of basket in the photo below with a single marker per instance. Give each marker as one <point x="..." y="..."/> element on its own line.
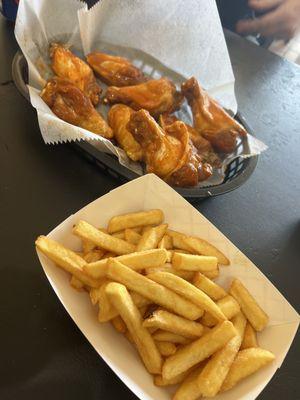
<point x="237" y="172"/>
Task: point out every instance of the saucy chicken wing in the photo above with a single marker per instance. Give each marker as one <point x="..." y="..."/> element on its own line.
<point x="170" y="156"/>
<point x="69" y="103"/>
<point x="115" y="71"/>
<point x="156" y="96"/>
<point x="118" y="118"/>
<point x="66" y="65"/>
<point x="210" y="119"/>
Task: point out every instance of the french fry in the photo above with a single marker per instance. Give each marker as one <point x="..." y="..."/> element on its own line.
<point x="209" y="287"/>
<point x="133" y="220"/>
<point x="66" y="259"/>
<point x="119" y="324"/>
<point x="94" y="294"/>
<point x="199" y="350"/>
<point x="249" y="339"/>
<point x="214" y="373"/>
<point x="150" y="239"/>
<point x="107" y="255"/>
<point x="246" y="363"/>
<point x="151" y="290"/>
<point x="139" y="300"/>
<point x="94" y="255"/>
<point x="178" y="239"/>
<point x="229" y="307"/>
<point x="158" y="380"/>
<point x="167" y="267"/>
<point x="166" y="348"/>
<point x="254" y="313"/>
<point x="148" y="351"/>
<point x="166" y="243"/>
<point x="173" y="323"/>
<point x="87" y="246"/>
<point x="201" y="246"/>
<point x="136" y="261"/>
<point x="188" y="291"/>
<point x="132" y="237"/>
<point x="191" y="262"/>
<point x="189" y="390"/>
<point x="106" y="311"/>
<point x="76" y="283"/>
<point x="212" y="274"/>
<point x="129" y="337"/>
<point x="164" y="336"/>
<point x="101" y="239"/>
<point x="119" y="235"/>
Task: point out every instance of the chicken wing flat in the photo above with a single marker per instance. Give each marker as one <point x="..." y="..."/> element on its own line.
<point x="170" y="156"/>
<point x="118" y="118"/>
<point x="66" y="65"/>
<point x="115" y="71"/>
<point x="210" y="119"/>
<point x="203" y="146"/>
<point x="156" y="96"/>
<point x="70" y="104"/>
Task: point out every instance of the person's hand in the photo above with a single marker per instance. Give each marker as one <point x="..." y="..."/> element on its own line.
<point x="280" y="22"/>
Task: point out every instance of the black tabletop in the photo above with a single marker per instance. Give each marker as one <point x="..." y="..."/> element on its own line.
<point x="43" y="353"/>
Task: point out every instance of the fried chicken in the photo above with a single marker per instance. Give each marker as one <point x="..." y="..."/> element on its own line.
<point x="66" y="65"/>
<point x="211" y="120"/>
<point x="156" y="96"/>
<point x="115" y="71"/>
<point x="70" y="104"/>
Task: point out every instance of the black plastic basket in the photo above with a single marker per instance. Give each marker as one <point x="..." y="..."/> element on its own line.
<point x="237" y="172"/>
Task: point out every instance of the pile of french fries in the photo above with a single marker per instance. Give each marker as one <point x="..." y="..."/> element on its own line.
<point x="156" y="287"/>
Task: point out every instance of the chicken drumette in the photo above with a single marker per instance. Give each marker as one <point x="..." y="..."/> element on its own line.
<point x="170" y="156"/>
<point x="115" y="71"/>
<point x="156" y="96"/>
<point x="69" y="103"/>
<point x="66" y="65"/>
<point x="211" y="120"/>
<point x="118" y="118"/>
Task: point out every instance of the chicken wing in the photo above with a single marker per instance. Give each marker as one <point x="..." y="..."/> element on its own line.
<point x="118" y="118"/>
<point x="203" y="146"/>
<point x="155" y="96"/>
<point x="113" y="70"/>
<point x="72" y="105"/>
<point x="66" y="65"/>
<point x="211" y="120"/>
<point x="170" y="156"/>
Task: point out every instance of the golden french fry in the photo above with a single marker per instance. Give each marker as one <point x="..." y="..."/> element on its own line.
<point x="94" y="255"/>
<point x="94" y="294"/>
<point x="164" y="336"/>
<point x="132" y="237"/>
<point x="129" y="337"/>
<point x="178" y="239"/>
<point x="132" y="220"/>
<point x="66" y="259"/>
<point x="201" y="246"/>
<point x="212" y="274"/>
<point x="139" y="300"/>
<point x="189" y="390"/>
<point x="119" y="235"/>
<point x="106" y="309"/>
<point x="199" y="350"/>
<point x="119" y="324"/>
<point x="214" y="373"/>
<point x="167" y="267"/>
<point x="229" y="307"/>
<point x="166" y="243"/>
<point x="173" y="323"/>
<point x="191" y="262"/>
<point x="250" y="338"/>
<point x="209" y="287"/>
<point x="148" y="351"/>
<point x="101" y="239"/>
<point x="246" y="363"/>
<point x="136" y="261"/>
<point x="87" y="246"/>
<point x="158" y="380"/>
<point x="166" y="348"/>
<point x="76" y="283"/>
<point x="254" y="313"/>
<point x="152" y="290"/>
<point x="188" y="291"/>
<point x="107" y="255"/>
<point x="150" y="239"/>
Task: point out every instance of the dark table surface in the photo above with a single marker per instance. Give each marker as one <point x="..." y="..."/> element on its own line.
<point x="43" y="354"/>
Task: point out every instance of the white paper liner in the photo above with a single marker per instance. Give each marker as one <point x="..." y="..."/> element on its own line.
<point x="150" y="192"/>
<point x="145" y="31"/>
